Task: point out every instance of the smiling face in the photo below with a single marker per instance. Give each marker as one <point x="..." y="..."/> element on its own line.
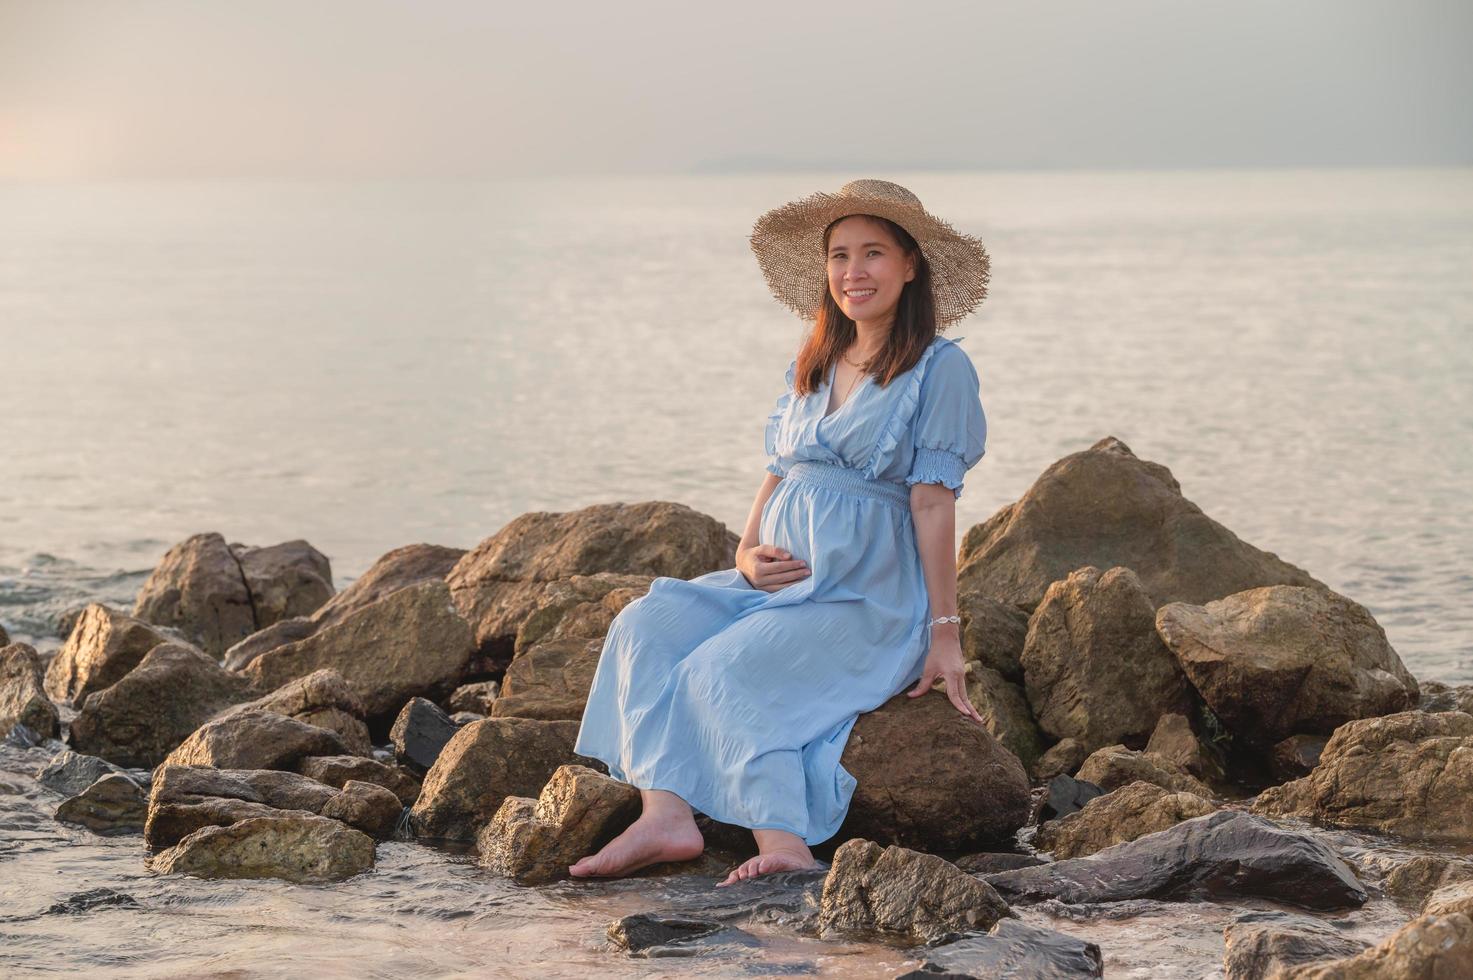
<point x="867" y="269"/>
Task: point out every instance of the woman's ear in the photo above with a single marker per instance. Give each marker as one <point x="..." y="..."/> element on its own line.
<point x="910" y="267"/>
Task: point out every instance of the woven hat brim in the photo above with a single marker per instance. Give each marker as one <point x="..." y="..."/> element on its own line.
<point x="788" y="243"/>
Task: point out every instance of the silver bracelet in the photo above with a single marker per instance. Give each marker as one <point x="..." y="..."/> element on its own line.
<point x="945" y="619"/>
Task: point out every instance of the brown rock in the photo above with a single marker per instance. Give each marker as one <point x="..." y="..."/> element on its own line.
<point x="993" y="633"/>
<point x="578" y="812"/>
<point x="114" y="804"/>
<point x="322" y="698"/>
<point x="1094" y="667"/>
<point x="1132" y="811"/>
<point x="1457" y="897"/>
<point x="1105" y="507"/>
<point x="285" y="580"/>
<point x="582" y="606"/>
<point x="1409" y="774"/>
<point x="100" y="650"/>
<point x="1437" y="696"/>
<point x="476" y="698"/>
<point x="903" y="897"/>
<point x="1175" y="741"/>
<point x="23" y="699"/>
<point x="550" y="681"/>
<point x="300" y="848"/>
<point x="1296" y="756"/>
<point x="1004" y="710"/>
<point x="1412" y="881"/>
<point x="367" y="806"/>
<point x="929" y="778"/>
<point x="336" y="770"/>
<point x="1287" y="660"/>
<point x="255" y="740"/>
<point x="1064" y="759"/>
<point x="1430" y="948"/>
<point x="1115" y="766"/>
<point x="1260" y="943"/>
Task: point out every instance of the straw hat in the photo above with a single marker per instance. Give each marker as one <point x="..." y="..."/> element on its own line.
<point x="788" y="241"/>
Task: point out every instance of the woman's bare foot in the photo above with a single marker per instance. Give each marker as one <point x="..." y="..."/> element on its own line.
<point x="781" y="851"/>
<point x="653" y="838"/>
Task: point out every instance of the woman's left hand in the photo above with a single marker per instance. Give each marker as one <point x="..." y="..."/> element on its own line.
<point x="945" y="662"/>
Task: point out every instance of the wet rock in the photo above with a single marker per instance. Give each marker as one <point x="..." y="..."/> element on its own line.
<point x="466" y="717"/>
<point x="322" y="698"/>
<point x="285" y="581"/>
<point x="1094" y="667"/>
<point x="578" y="607"/>
<point x="986" y="863"/>
<point x="255" y="740"/>
<point x="1227" y="854"/>
<point x="1106" y="507"/>
<point x="1437" y="697"/>
<point x="902" y="897"/>
<point x="1412" y="881"/>
<point x="114" y="804"/>
<point x="486" y="762"/>
<point x="477" y="697"/>
<point x="663" y="934"/>
<point x="1430" y="948"/>
<point x="550" y="681"/>
<point x="69" y="773"/>
<point x="299" y="848"/>
<point x="1284" y="660"/>
<point x="20" y="737"/>
<point x="100" y="650"/>
<point x="578" y="812"/>
<point x="1130" y="812"/>
<point x="336" y="770"/>
<point x="94" y="898"/>
<point x="1064" y="759"/>
<point x="146" y="715"/>
<point x="1004" y="710"/>
<point x="1175" y="741"/>
<point x="419" y="733"/>
<point x="1065" y="795"/>
<point x="1115" y="766"/>
<point x="501" y="582"/>
<point x="1296" y="756"/>
<point x="398" y="569"/>
<point x="1013" y="949"/>
<point x="1409" y="774"/>
<point x="929" y="778"/>
<point x="1259" y="943"/>
<point x="367" y="806"/>
<point x="23" y="699"/>
<point x="1452" y="898"/>
<point x="410" y="643"/>
<point x="993" y="634"/>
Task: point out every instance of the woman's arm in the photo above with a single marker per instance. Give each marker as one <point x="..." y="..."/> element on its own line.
<point x="933" y="511"/>
<point x="766" y="566"/>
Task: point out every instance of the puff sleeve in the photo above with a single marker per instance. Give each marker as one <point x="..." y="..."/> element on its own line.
<point x="774" y="423"/>
<point x="950" y="428"/>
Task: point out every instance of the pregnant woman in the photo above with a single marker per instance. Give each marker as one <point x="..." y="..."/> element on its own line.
<point x="734" y="693"/>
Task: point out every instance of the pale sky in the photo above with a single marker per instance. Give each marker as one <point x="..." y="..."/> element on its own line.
<point x="456" y="88"/>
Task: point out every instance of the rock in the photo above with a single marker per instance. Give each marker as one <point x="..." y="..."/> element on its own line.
<point x="1065" y="795"/>
<point x="144" y="716"/>
<point x="477" y="697"/>
<point x="1284" y="660"/>
<point x="1094" y="668"/>
<point x="656" y="934"/>
<point x="501" y="582"/>
<point x="1259" y="943"/>
<point x="322" y="698"/>
<point x="483" y="764"/>
<point x="1412" y="881"/>
<point x="114" y="804"/>
<point x="398" y="569"/>
<point x="367" y="806"/>
<point x="578" y="607"/>
<point x="1105" y="507"/>
<point x="23" y="699"/>
<point x="1115" y="766"/>
<point x="550" y="681"/>
<point x="419" y="733"/>
<point x="466" y="717"/>
<point x="411" y="643"/>
<point x="987" y="863"/>
<point x="69" y="773"/>
<point x="1452" y="898"/>
<point x="1438" y="697"/>
<point x="929" y="778"/>
<point x="993" y="633"/>
<point x="1175" y="741"/>
<point x="903" y="897"/>
<point x="1064" y="759"/>
<point x="1013" y="949"/>
<point x="578" y="812"/>
<point x="102" y="647"/>
<point x="4" y="636"/>
<point x="1429" y="948"/>
<point x="336" y="770"/>
<point x="1004" y="710"/>
<point x="1227" y="854"/>
<point x="285" y="581"/>
<point x="1128" y="813"/>
<point x="1409" y="774"/>
<point x="1296" y="756"/>
<point x="81" y="903"/>
<point x="255" y="740"/>
<point x="304" y="848"/>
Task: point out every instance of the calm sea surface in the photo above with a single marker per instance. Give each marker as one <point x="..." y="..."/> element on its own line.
<point x="370" y="365"/>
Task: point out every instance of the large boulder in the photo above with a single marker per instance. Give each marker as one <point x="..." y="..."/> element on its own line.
<point x="1434" y="947"/>
<point x="1125" y="814"/>
<point x="1106" y="507"/>
<point x="550" y="680"/>
<point x="500" y="583"/>
<point x="146" y="715"/>
<point x="1409" y="774"/>
<point x="1094" y="668"/>
<point x="483" y="764"/>
<point x="1223" y="855"/>
<point x="322" y="698"/>
<point x="1285" y="660"/>
<point x="578" y="606"/>
<point x="903" y="897"/>
<point x="295" y="847"/>
<point x="410" y="643"/>
<point x="255" y="740"/>
<point x="927" y="777"/>
<point x="102" y="647"/>
<point x="577" y="813"/>
<point x="23" y="699"/>
<point x="1413" y="880"/>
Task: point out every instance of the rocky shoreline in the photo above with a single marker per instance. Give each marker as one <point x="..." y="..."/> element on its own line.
<point x="1172" y="716"/>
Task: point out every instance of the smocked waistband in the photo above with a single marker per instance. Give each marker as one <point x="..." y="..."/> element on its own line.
<point x="846" y="480"/>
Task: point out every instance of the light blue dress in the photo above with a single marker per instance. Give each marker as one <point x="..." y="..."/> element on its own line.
<point x="740" y="700"/>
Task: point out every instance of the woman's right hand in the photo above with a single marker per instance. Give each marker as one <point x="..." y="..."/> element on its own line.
<point x="769" y="568"/>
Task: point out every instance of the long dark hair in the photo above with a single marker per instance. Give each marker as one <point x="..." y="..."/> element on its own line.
<point x="911" y="333"/>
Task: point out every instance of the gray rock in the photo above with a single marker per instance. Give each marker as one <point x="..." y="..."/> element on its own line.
<point x="115" y="804"/>
<point x="69" y="773"/>
<point x="1013" y="950"/>
<point x="420" y="733"/>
